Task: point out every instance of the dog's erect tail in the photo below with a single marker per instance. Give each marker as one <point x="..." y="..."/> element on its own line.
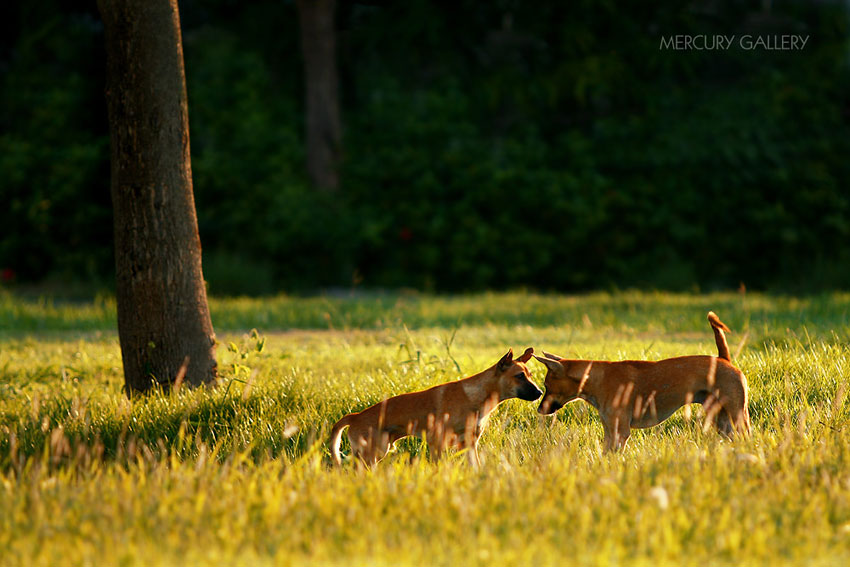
<point x="719" y="337"/>
<point x="336" y="438"/>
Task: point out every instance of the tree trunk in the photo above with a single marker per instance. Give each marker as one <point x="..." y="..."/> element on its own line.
<point x="318" y="44"/>
<point x="163" y="319"/>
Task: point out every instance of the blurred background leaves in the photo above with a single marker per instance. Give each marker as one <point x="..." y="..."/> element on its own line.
<point x="502" y="144"/>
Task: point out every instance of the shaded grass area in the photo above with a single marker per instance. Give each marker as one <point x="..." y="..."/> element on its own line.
<point x="240" y="474"/>
<point x="627" y="311"/>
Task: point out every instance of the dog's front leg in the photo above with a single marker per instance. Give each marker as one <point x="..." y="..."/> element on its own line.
<point x="436" y="437"/>
<point x="617" y="428"/>
<point x="373" y="448"/>
<point x="474" y="460"/>
<point x="435" y="451"/>
<point x="437" y="443"/>
<point x="469" y="440"/>
<point x="470" y="443"/>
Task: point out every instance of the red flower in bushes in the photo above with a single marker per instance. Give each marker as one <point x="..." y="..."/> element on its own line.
<point x="7" y="275"/>
<point x="405" y="233"/>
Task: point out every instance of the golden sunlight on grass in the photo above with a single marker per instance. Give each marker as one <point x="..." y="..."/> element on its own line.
<point x="241" y="475"/>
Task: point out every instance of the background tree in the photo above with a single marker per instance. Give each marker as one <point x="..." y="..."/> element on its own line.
<point x="323" y="126"/>
<point x="611" y="147"/>
<point x="163" y="318"/>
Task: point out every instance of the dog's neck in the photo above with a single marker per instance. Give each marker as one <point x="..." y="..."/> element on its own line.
<point x="589" y="399"/>
<point x="581" y="370"/>
<point x="482" y="387"/>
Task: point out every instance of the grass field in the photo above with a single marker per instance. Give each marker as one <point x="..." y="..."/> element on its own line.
<point x="240" y="475"/>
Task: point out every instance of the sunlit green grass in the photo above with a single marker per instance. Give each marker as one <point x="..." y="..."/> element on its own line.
<point x="240" y="474"/>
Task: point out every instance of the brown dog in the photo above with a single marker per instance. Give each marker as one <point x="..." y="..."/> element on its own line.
<point x="639" y="394"/>
<point x="450" y="415"/>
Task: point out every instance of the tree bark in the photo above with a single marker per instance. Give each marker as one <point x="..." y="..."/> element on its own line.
<point x="323" y="128"/>
<point x="164" y="323"/>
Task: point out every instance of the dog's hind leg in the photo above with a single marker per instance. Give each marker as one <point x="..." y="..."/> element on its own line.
<point x="744" y="422"/>
<point x="732" y="414"/>
<point x="731" y="420"/>
<point x="715" y="414"/>
<point x="726" y="414"/>
<point x="723" y="423"/>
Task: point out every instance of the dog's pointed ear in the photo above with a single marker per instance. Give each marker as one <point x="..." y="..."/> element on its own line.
<point x="552" y="365"/>
<point x="506" y="361"/>
<point x="552" y="356"/>
<point x="526" y="356"/>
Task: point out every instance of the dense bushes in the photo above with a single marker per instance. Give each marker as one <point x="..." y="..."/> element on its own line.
<point x="547" y="144"/>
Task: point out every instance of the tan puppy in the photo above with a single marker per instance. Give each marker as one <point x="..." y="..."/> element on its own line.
<point x="639" y="394"/>
<point x="449" y="415"/>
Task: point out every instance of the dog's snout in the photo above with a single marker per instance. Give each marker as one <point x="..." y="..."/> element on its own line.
<point x="530" y="392"/>
<point x="548" y="406"/>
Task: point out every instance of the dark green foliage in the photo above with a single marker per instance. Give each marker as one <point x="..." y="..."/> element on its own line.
<point x="548" y="144"/>
<point x="54" y="172"/>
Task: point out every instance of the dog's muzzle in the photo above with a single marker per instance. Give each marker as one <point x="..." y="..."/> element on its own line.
<point x="548" y="407"/>
<point x="529" y="392"/>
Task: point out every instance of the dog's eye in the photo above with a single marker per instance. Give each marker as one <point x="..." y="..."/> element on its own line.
<point x="520" y="376"/>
